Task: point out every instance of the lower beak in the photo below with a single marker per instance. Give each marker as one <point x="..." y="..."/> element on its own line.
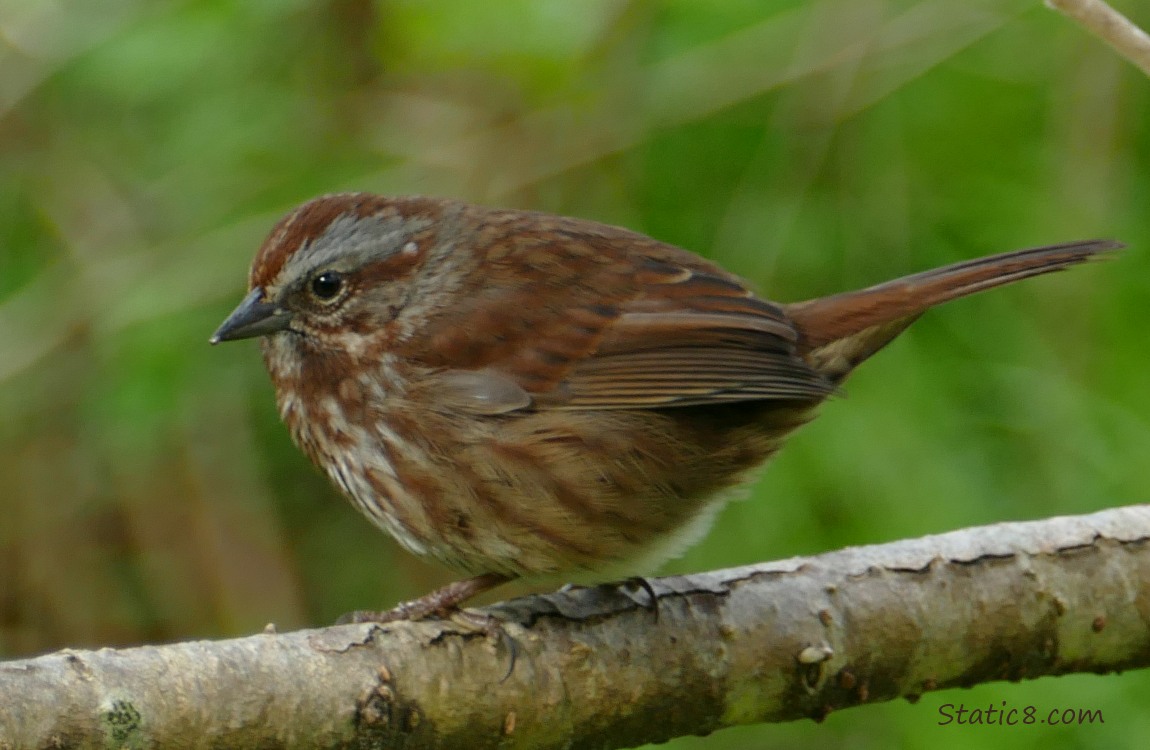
<point x="253" y="317"/>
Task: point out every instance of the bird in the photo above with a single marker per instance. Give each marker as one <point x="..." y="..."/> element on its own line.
<point x="516" y="394"/>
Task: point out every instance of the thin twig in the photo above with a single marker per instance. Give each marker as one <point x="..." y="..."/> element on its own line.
<point x="1111" y="26"/>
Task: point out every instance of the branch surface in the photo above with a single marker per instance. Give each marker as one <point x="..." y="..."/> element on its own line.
<point x="621" y="666"/>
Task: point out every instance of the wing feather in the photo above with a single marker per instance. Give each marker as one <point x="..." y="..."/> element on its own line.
<point x="575" y="323"/>
<point x="689" y="337"/>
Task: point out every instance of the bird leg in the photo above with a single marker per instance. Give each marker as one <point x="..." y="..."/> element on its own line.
<point x="439" y="603"/>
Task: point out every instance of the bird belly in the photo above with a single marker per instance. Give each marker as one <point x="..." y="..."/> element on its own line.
<point x="577" y="494"/>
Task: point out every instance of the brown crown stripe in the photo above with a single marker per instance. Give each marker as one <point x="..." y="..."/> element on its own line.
<point x="311" y="219"/>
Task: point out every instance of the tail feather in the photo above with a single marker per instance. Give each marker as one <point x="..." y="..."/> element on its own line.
<point x="840" y="331"/>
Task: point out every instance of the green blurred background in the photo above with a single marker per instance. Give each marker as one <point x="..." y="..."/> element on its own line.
<point x="149" y="493"/>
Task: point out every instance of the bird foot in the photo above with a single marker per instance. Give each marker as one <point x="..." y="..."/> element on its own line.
<point x="442" y="603"/>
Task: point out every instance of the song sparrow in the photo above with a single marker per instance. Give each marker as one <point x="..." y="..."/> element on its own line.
<point x="517" y="394"/>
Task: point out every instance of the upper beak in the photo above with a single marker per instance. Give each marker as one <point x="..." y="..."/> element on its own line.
<point x="253" y="317"/>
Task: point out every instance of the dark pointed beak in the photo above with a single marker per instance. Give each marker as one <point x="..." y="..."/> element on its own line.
<point x="253" y="317"/>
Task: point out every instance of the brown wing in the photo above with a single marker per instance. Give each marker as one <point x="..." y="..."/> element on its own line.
<point x="577" y="324"/>
<point x="689" y="336"/>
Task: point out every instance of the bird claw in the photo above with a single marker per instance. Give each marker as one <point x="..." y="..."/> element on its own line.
<point x="439" y="603"/>
<point x="492" y="628"/>
<point x="395" y="614"/>
<point x="639" y="582"/>
<point x="444" y="604"/>
<point x="469" y="620"/>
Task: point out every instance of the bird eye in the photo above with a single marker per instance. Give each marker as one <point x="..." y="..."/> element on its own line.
<point x="327" y="285"/>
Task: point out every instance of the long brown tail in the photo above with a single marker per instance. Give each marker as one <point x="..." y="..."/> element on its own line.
<point x="840" y="331"/>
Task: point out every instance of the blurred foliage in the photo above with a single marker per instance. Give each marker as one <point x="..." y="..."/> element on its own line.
<point x="147" y="489"/>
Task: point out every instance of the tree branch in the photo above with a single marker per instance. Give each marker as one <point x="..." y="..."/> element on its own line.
<point x="1112" y="27"/>
<point x="610" y="667"/>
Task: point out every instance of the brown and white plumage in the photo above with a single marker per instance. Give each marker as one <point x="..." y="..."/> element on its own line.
<point x="518" y="393"/>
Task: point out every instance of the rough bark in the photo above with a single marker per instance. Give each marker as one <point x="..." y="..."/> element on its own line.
<point x="614" y="667"/>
